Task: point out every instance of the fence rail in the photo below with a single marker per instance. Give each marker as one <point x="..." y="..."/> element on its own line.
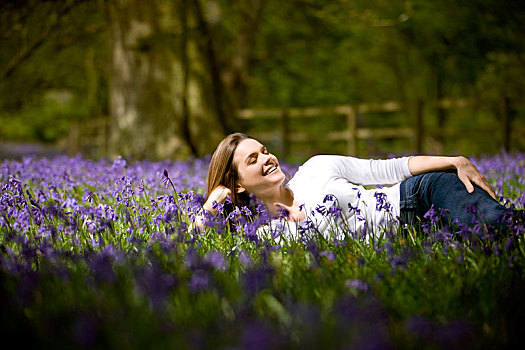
<point x="91" y="137"/>
<point x="351" y="133"/>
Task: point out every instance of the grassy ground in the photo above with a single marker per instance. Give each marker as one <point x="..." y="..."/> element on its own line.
<point x="99" y="254"/>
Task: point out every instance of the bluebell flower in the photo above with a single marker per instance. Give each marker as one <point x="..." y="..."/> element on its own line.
<point x="246" y="211"/>
<point x="334" y="211"/>
<point x="382" y="202"/>
<point x="357" y="284"/>
<point x="283" y="213"/>
<point x="338" y="242"/>
<point x="216" y="260"/>
<point x="118" y="164"/>
<point x="244" y="259"/>
<point x="218" y="206"/>
<point x="440" y="335"/>
<point x="432" y="215"/>
<point x="329" y="197"/>
<point x="257" y="279"/>
<point x="328" y="254"/>
<point x="141" y="187"/>
<point x="257" y="335"/>
<point x="508" y="243"/>
<point x="321" y="209"/>
<point x="471" y="208"/>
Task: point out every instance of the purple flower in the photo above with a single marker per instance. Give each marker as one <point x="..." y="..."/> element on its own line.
<point x="321" y="209"/>
<point x="382" y="202"/>
<point x="328" y="254"/>
<point x="155" y="283"/>
<point x="433" y="215"/>
<point x="167" y="182"/>
<point x="118" y="164"/>
<point x="102" y="267"/>
<point x="244" y="259"/>
<point x="218" y="206"/>
<point x="446" y="336"/>
<point x="471" y="208"/>
<point x="259" y="335"/>
<point x="200" y="280"/>
<point x="283" y="213"/>
<point x="508" y="243"/>
<point x="257" y="279"/>
<point x="216" y="260"/>
<point x="338" y="242"/>
<point x="334" y="211"/>
<point x="357" y="284"/>
<point x="329" y="197"/>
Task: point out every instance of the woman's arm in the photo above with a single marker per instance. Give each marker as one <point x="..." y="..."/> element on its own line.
<point x="358" y="171"/>
<point x="467" y="172"/>
<point x="219" y="194"/>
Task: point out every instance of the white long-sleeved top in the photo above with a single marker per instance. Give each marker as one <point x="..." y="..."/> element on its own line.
<point x="361" y="210"/>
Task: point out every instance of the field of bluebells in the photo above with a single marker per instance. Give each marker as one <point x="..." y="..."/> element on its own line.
<point x="102" y="254"/>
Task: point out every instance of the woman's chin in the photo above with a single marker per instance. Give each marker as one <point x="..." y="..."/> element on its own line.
<point x="278" y="178"/>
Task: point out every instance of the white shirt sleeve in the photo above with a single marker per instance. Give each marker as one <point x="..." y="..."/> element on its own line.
<point x="361" y="171"/>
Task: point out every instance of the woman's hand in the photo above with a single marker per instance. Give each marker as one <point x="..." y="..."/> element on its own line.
<point x="219" y="194"/>
<point x="468" y="174"/>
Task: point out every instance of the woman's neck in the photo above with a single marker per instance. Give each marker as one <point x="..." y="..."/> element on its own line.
<point x="283" y="199"/>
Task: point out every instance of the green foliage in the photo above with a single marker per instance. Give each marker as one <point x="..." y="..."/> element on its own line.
<point x="58" y="56"/>
<point x="306" y="53"/>
<point x="50" y="121"/>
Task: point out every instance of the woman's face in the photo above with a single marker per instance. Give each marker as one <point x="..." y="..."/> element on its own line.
<point x="259" y="171"/>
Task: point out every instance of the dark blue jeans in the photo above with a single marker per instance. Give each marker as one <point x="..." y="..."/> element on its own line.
<point x="444" y="190"/>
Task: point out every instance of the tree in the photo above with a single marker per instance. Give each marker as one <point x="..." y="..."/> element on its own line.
<point x="42" y="57"/>
<point x="171" y="74"/>
<point x="171" y="92"/>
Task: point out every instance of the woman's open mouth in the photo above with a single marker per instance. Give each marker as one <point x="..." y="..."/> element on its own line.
<point x="270" y="170"/>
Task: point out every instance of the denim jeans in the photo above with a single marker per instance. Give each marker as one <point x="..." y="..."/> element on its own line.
<point x="444" y="190"/>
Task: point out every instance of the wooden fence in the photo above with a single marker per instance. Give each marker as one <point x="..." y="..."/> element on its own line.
<point x="91" y="137"/>
<point x="351" y="133"/>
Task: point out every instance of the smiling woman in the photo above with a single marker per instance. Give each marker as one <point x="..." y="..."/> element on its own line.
<point x="328" y="191"/>
<point x="260" y="174"/>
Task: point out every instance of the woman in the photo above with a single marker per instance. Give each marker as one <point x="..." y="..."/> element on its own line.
<point x="327" y="192"/>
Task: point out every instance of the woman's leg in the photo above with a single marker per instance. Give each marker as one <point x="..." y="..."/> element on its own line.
<point x="444" y="190"/>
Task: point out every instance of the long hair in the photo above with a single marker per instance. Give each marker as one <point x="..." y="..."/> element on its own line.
<point x="223" y="171"/>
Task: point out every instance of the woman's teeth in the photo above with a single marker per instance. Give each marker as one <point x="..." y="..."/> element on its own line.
<point x="271" y="170"/>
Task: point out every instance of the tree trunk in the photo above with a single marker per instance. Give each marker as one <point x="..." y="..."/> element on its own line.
<point x="236" y="76"/>
<point x="157" y="87"/>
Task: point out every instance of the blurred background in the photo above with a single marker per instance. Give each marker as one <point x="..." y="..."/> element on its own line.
<point x="164" y="79"/>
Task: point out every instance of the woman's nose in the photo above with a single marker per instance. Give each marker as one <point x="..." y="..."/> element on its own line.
<point x="266" y="158"/>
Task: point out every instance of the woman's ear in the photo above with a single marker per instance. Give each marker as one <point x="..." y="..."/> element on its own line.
<point x="239" y="189"/>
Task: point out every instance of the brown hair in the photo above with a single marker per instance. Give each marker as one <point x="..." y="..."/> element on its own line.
<point x="222" y="171"/>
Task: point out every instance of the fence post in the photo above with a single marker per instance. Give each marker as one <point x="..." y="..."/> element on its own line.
<point x="506" y="116"/>
<point x="73" y="138"/>
<point x="285" y="134"/>
<point x="420" y="128"/>
<point x="351" y="124"/>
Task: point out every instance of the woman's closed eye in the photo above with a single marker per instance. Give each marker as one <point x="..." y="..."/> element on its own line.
<point x="252" y="158"/>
